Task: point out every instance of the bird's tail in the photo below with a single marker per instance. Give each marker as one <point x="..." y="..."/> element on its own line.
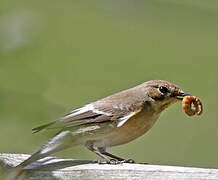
<point x="39" y="128"/>
<point x="61" y="141"/>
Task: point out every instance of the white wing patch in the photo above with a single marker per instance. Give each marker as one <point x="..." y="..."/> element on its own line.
<point x="86" y="108"/>
<point x="124" y="119"/>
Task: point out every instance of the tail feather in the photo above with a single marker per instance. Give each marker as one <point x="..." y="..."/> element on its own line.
<point x="62" y="141"/>
<point x="39" y="128"/>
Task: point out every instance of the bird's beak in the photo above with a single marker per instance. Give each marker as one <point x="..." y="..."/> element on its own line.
<point x="181" y="95"/>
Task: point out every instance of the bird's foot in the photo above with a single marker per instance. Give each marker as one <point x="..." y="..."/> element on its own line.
<point x="109" y="161"/>
<point x="115" y="161"/>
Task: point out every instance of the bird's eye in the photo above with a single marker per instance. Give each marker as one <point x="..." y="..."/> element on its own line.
<point x="163" y="89"/>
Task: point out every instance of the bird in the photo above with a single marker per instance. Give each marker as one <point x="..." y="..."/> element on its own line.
<point x="111" y="121"/>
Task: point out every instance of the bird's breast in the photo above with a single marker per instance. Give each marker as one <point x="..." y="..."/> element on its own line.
<point x="130" y="130"/>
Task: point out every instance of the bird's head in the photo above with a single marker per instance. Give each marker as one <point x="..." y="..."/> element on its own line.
<point x="162" y="93"/>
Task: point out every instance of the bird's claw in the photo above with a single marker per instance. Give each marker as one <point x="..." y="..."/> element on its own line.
<point x="110" y="161"/>
<point x="115" y="161"/>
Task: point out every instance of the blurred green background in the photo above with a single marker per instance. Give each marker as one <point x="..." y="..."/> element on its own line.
<point x="58" y="55"/>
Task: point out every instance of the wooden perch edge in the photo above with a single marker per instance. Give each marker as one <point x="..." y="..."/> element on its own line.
<point x="51" y="168"/>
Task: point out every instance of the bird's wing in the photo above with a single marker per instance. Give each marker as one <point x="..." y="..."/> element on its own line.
<point x="108" y="109"/>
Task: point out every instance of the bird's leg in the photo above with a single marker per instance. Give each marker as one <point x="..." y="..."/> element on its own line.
<point x="103" y="151"/>
<point x="122" y="160"/>
<point x="89" y="145"/>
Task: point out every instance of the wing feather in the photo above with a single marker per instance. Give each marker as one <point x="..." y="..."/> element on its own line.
<point x="119" y="107"/>
<point x="84" y="115"/>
